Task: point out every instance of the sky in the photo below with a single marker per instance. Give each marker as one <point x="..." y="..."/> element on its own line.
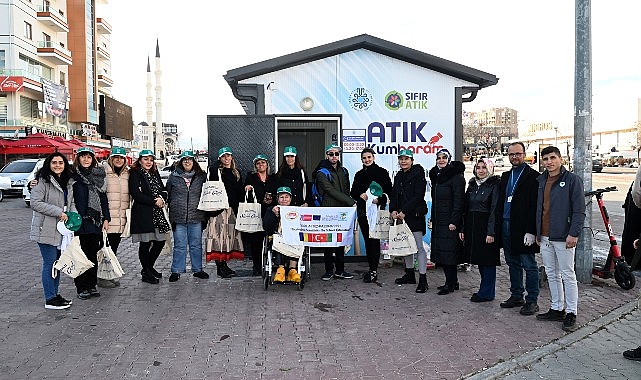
<point x="529" y="46"/>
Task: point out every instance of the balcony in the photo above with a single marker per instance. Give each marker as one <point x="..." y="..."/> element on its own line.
<point x="103" y="26"/>
<point x="54" y="52"/>
<point x="103" y="53"/>
<point x="104" y="80"/>
<point x="52" y="18"/>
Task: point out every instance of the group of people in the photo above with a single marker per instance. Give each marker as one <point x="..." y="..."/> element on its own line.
<point x="522" y="212"/>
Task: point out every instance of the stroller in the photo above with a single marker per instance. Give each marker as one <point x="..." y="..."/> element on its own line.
<point x="269" y="265"/>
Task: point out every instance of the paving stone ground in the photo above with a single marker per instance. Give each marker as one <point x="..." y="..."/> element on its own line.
<point x="340" y="329"/>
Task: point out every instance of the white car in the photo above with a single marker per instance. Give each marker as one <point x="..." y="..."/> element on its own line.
<point x="498" y="162"/>
<point x="20" y="172"/>
<point x="5" y="184"/>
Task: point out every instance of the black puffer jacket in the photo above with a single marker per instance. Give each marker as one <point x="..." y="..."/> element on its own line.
<point x="363" y="178"/>
<point x="480" y="221"/>
<point x="183" y="200"/>
<point x="448" y="202"/>
<point x="260" y="188"/>
<point x="408" y="196"/>
<point x="293" y="178"/>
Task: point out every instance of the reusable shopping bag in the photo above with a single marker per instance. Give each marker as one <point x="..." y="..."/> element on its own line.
<point x="167" y="249"/>
<point x="381" y="226"/>
<point x="126" y="232"/>
<point x="278" y="245"/>
<point x="214" y="195"/>
<point x="401" y="240"/>
<point x="72" y="261"/>
<point x="249" y="216"/>
<point x="108" y="265"/>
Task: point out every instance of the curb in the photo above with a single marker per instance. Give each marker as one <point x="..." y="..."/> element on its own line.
<point x="528" y="358"/>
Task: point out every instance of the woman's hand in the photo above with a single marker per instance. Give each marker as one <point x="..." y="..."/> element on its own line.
<point x="304" y="205"/>
<point x="394" y="215"/>
<point x="635" y="244"/>
<point x="364" y="197"/>
<point x="452" y="227"/>
<point x="461" y="236"/>
<point x="160" y="202"/>
<point x="105" y="225"/>
<point x="401" y="215"/>
<point x="249" y="187"/>
<point x="64" y="217"/>
<point x="276" y="210"/>
<point x="489" y="239"/>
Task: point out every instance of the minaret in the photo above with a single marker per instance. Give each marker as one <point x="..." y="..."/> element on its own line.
<point x="160" y="139"/>
<point x="149" y="96"/>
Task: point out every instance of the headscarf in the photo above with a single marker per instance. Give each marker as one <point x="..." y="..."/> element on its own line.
<point x="490" y="170"/>
<point x="445" y="152"/>
<point x="94" y="178"/>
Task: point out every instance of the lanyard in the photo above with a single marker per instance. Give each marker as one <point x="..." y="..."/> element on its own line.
<point x="512" y="183"/>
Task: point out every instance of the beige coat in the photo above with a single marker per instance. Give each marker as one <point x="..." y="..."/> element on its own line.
<point x="118" y="197"/>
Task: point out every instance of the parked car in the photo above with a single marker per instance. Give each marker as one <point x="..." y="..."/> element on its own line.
<point x="5" y="183"/>
<point x="499" y="161"/>
<point x="20" y="172"/>
<point x="597" y="165"/>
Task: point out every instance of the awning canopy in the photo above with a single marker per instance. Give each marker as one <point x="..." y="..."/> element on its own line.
<point x="36" y="143"/>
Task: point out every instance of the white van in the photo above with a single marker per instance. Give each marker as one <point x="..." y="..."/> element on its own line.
<point x="20" y="172"/>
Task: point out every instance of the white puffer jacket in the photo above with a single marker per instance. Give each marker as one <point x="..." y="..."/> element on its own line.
<point x="118" y="197"/>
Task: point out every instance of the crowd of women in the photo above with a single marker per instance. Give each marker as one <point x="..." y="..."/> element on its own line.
<point x="104" y="194"/>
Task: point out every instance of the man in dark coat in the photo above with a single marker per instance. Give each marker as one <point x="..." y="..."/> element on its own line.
<point x="335" y="193"/>
<point x="517" y="210"/>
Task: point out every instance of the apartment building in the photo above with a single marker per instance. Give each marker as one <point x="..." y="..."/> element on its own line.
<point x="54" y="64"/>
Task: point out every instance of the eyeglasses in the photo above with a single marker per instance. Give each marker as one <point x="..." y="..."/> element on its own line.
<point x="515" y="154"/>
<point x="333" y="154"/>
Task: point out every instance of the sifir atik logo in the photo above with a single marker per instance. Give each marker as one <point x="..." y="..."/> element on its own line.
<point x="395" y="100"/>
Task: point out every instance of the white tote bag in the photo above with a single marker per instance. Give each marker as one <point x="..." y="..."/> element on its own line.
<point x="380" y="229"/>
<point x="108" y="265"/>
<point x="401" y="240"/>
<point x="278" y="245"/>
<point x="249" y="216"/>
<point x="213" y="196"/>
<point x="126" y="232"/>
<point x="72" y="261"/>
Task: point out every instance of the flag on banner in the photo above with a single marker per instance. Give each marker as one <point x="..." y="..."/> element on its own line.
<point x="318" y="226"/>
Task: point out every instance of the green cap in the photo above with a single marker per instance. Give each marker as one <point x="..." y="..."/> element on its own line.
<point x="118" y="151"/>
<point x="146" y="152"/>
<point x="290" y="151"/>
<point x="406" y="153"/>
<point x="375" y="189"/>
<point x="332" y="146"/>
<point x="224" y="150"/>
<point x="284" y="189"/>
<point x="260" y="157"/>
<point x="74" y="220"/>
<point x="187" y="153"/>
<point x="85" y="149"/>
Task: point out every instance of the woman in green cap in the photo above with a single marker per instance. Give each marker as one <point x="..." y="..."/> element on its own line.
<point x="90" y="197"/>
<point x="261" y="183"/>
<point x="223" y="241"/>
<point x="292" y="174"/>
<point x="50" y="198"/>
<point x="370" y="173"/>
<point x="118" y="196"/>
<point x="408" y="204"/>
<point x="148" y="224"/>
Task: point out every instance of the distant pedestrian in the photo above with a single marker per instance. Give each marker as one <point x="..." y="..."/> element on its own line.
<point x="90" y="197"/>
<point x="224" y="243"/>
<point x="480" y="231"/>
<point x="292" y="174"/>
<point x="448" y="203"/>
<point x="407" y="203"/>
<point x="363" y="179"/>
<point x="261" y="185"/>
<point x="517" y="210"/>
<point x="149" y="227"/>
<point x="50" y="198"/>
<point x="560" y="213"/>
<point x="335" y="191"/>
<point x="184" y="186"/>
<point x="117" y="174"/>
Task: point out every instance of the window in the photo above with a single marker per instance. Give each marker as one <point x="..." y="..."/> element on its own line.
<point x="63" y="78"/>
<point x="2" y="59"/>
<point x="46" y="39"/>
<point x="27" y="31"/>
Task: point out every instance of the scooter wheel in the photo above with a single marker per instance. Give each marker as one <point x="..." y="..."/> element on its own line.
<point x="624" y="276"/>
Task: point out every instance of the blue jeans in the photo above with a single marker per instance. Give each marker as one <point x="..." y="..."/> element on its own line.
<point x="187" y="234"/>
<point x="517" y="263"/>
<point x="49" y="255"/>
<point x="487" y="289"/>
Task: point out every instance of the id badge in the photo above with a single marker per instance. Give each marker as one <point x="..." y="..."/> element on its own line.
<point x="509" y="199"/>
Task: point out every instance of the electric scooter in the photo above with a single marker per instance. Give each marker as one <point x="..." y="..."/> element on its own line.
<point x="615" y="263"/>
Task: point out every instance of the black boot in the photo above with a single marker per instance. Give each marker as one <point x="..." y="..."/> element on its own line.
<point x="220" y="270"/>
<point x="408" y="278"/>
<point x="227" y="269"/>
<point x="148" y="277"/>
<point x="422" y="283"/>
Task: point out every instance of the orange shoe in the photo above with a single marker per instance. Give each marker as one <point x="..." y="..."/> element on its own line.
<point x="280" y="275"/>
<point x="293" y="276"/>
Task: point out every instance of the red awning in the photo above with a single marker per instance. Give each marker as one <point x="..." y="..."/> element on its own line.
<point x="37" y="143"/>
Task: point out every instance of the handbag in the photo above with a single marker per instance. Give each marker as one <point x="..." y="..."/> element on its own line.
<point x="168" y="248"/>
<point x="380" y="229"/>
<point x="72" y="261"/>
<point x="126" y="232"/>
<point x="401" y="240"/>
<point x="108" y="265"/>
<point x="278" y="245"/>
<point x="249" y="216"/>
<point x="213" y="196"/>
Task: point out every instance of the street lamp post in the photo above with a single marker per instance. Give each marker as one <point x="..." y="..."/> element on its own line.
<point x="556" y="135"/>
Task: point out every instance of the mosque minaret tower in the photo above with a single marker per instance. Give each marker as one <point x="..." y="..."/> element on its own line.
<point x="160" y="140"/>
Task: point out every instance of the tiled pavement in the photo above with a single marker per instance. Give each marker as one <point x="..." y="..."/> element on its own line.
<point x="343" y="329"/>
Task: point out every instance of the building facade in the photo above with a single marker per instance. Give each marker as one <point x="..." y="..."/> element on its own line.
<point x="490" y="128"/>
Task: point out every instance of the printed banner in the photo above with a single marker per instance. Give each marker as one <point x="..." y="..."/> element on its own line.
<point x="55" y="96"/>
<point x="318" y="226"/>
